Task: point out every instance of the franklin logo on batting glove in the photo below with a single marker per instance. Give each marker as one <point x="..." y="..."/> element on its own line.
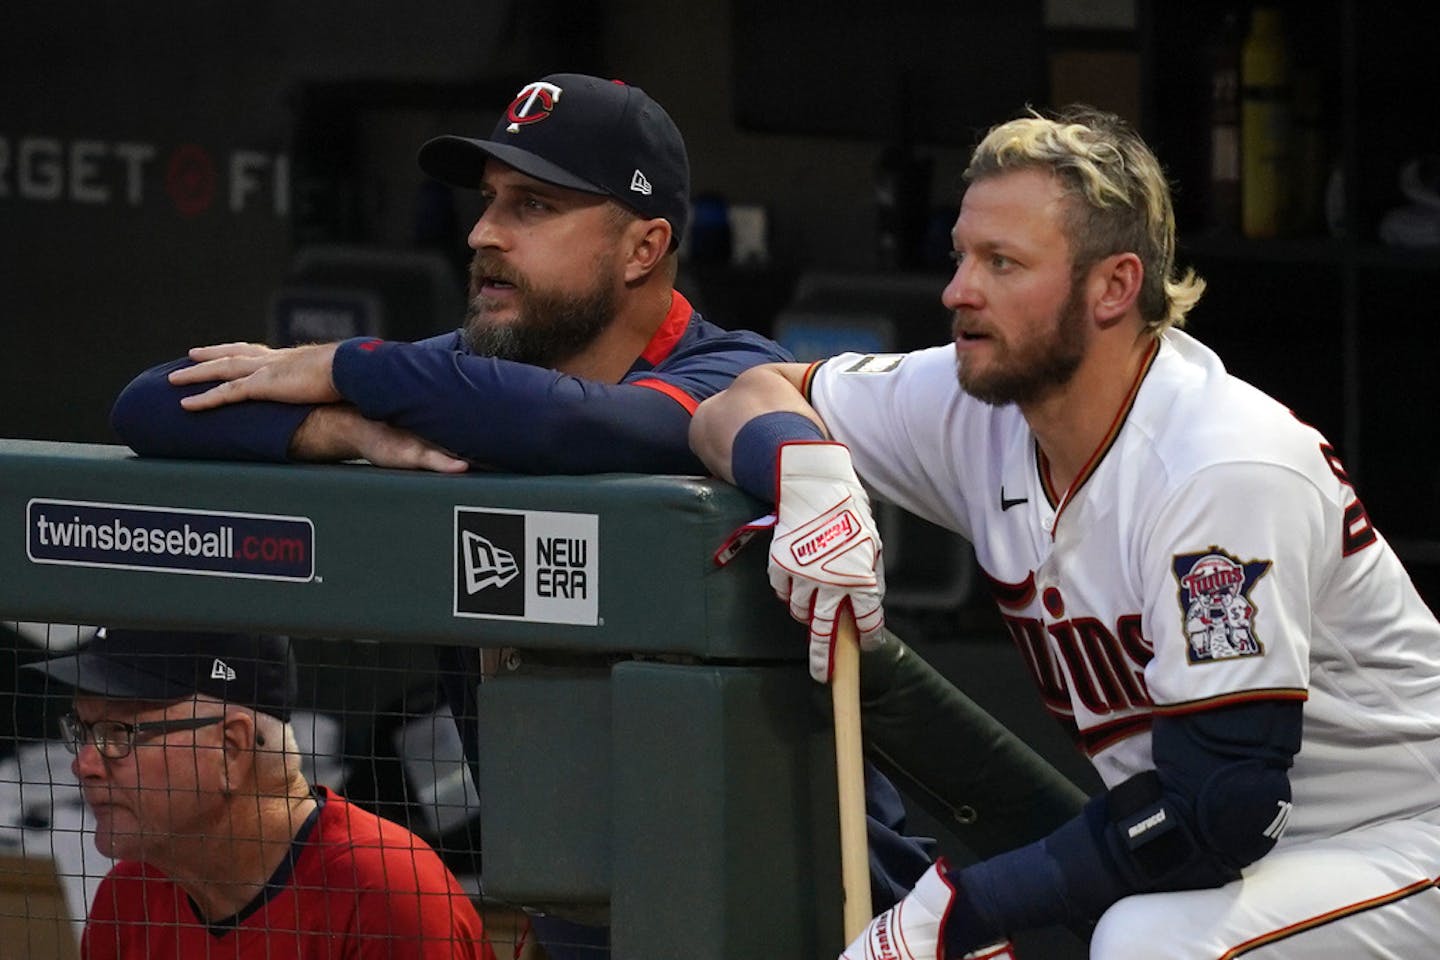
<point x="914" y="929"/>
<point x="826" y="550"/>
<point x="834" y="533"/>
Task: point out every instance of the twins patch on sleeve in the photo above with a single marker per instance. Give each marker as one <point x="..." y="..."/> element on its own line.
<point x="1215" y="607"/>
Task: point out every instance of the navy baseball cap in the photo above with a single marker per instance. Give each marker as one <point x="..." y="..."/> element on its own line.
<point x="165" y="665"/>
<point x="585" y="133"/>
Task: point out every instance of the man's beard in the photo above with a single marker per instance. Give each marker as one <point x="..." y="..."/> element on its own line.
<point x="1028" y="372"/>
<point x="548" y="328"/>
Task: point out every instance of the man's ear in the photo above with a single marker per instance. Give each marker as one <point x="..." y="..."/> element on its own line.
<point x="237" y="747"/>
<point x="1115" y="286"/>
<point x="646" y="244"/>
<point x="240" y="733"/>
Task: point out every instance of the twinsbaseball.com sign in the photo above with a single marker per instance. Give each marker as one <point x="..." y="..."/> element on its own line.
<point x="173" y="540"/>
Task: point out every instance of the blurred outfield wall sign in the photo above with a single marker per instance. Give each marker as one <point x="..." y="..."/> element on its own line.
<point x="190" y="178"/>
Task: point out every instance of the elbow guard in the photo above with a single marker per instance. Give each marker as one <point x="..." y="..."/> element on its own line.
<point x="1163" y="840"/>
<point x="1218" y="800"/>
<point x="1242" y="810"/>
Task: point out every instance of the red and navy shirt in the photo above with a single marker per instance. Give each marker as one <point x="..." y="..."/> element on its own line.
<point x="498" y="413"/>
<point x="354" y="887"/>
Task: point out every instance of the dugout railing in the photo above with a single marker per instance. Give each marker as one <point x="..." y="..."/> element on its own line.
<point x="652" y="755"/>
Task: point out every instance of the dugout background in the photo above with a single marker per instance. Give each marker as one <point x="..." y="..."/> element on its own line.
<point x="173" y="174"/>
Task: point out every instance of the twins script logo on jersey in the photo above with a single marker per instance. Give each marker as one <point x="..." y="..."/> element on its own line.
<point x="1215" y="602"/>
<point x="532" y="104"/>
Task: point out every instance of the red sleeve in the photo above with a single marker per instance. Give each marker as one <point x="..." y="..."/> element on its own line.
<point x="409" y="906"/>
<point x="424" y="915"/>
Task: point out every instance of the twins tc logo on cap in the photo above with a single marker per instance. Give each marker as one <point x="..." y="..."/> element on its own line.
<point x="1216" y="611"/>
<point x="535" y="102"/>
<point x="532" y="104"/>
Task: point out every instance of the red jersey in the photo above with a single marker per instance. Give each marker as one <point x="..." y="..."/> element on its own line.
<point x="356" y="887"/>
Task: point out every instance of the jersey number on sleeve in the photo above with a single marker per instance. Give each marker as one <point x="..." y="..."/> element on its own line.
<point x="1359" y="531"/>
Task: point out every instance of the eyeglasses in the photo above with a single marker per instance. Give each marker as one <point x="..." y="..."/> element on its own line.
<point x="115" y="739"/>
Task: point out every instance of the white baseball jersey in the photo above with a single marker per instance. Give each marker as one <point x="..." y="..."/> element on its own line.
<point x="1212" y="552"/>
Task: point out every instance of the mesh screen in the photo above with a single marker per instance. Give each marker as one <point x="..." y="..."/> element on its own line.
<point x="373" y="737"/>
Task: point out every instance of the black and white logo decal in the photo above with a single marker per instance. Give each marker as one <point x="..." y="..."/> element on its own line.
<point x="527" y="565"/>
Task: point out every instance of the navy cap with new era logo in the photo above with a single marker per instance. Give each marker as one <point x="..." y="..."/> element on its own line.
<point x="166" y="665"/>
<point x="585" y="133"/>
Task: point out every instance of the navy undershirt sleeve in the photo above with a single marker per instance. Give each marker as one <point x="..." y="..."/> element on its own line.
<point x="495" y="413"/>
<point x="148" y="418"/>
<point x="514" y="416"/>
<point x="755" y="452"/>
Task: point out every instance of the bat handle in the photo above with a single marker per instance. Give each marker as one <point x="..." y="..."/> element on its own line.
<point x="850" y="776"/>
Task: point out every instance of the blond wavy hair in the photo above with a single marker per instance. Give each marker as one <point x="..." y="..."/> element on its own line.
<point x="1120" y="199"/>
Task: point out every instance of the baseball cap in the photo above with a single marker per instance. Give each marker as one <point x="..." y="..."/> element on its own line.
<point x="254" y="671"/>
<point x="585" y="133"/>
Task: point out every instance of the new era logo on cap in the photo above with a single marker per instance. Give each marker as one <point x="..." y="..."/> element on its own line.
<point x="250" y="670"/>
<point x="639" y="184"/>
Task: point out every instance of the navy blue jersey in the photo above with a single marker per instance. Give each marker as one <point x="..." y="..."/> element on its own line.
<point x="496" y="413"/>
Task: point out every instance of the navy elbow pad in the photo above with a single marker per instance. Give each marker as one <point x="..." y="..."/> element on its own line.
<point x="1242" y="810"/>
<point x="1169" y="844"/>
<point x="1229" y="768"/>
<point x="1152" y="839"/>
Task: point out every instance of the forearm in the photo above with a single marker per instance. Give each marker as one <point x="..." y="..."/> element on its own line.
<point x="148" y="417"/>
<point x="515" y="416"/>
<point x="1068" y="879"/>
<point x="1206" y="812"/>
<point x="328" y="434"/>
<point x="338" y="431"/>
<point x="765" y="389"/>
<point x="576" y="428"/>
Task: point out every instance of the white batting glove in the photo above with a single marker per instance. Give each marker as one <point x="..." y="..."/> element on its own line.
<point x="996" y="951"/>
<point x="913" y="929"/>
<point x="826" y="550"/>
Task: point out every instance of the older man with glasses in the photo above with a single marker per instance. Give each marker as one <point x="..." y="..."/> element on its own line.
<point x="185" y="754"/>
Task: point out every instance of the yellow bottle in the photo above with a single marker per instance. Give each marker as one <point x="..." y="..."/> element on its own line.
<point x="1264" y="127"/>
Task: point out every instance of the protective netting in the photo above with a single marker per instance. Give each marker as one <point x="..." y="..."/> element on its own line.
<point x="371" y="733"/>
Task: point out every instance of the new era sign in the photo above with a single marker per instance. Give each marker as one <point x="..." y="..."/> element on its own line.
<point x="527" y="565"/>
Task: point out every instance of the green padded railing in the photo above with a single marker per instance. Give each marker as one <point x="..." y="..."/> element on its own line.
<point x="616" y="562"/>
<point x="679" y="787"/>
